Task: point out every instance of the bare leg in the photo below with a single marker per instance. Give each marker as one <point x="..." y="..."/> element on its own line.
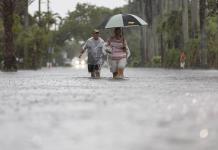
<point x="120" y="73"/>
<point x="97" y="74"/>
<point x="115" y="75"/>
<point x="93" y="74"/>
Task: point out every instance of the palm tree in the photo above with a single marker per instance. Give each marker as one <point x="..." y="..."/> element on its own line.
<point x="7" y="8"/>
<point x="26" y="14"/>
<point x="47" y="19"/>
<point x="26" y="23"/>
<point x="58" y="21"/>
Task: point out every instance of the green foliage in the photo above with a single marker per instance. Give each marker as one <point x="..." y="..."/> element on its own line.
<point x="212" y="43"/>
<point x="1" y="56"/>
<point x="48" y="19"/>
<point x="156" y="61"/>
<point x="17" y="27"/>
<point x="1" y="39"/>
<point x="32" y="43"/>
<point x="32" y="46"/>
<point x="80" y="23"/>
<point x="193" y="56"/>
<point x="170" y="24"/>
<point x="212" y="26"/>
<point x="172" y="58"/>
<point x="133" y="38"/>
<point x="212" y="7"/>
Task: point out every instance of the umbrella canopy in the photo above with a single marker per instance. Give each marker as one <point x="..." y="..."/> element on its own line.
<point x="123" y="20"/>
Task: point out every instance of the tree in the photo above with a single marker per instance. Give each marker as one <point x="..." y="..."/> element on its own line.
<point x="7" y="8"/>
<point x="26" y="14"/>
<point x="144" y="52"/>
<point x="80" y="23"/>
<point x="212" y="33"/>
<point x="185" y="22"/>
<point x="26" y="4"/>
<point x="203" y="36"/>
<point x="194" y="18"/>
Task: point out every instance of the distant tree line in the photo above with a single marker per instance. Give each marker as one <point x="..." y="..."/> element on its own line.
<point x="26" y="40"/>
<point x="174" y="25"/>
<point x="42" y="37"/>
<point x="30" y="41"/>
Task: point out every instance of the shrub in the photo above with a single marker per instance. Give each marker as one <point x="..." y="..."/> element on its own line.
<point x="156" y="61"/>
<point x="172" y="58"/>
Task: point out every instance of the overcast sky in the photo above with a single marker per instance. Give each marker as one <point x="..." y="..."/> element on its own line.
<point x="63" y="6"/>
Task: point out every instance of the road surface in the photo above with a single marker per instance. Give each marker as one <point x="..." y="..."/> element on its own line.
<point x="152" y="109"/>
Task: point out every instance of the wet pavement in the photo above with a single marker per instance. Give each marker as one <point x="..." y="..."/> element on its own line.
<point x="151" y="109"/>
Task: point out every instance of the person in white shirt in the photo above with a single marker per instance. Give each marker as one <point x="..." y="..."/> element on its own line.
<point x="94" y="46"/>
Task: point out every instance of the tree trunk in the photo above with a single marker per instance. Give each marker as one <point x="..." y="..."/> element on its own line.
<point x="203" y="45"/>
<point x="185" y="23"/>
<point x="26" y="14"/>
<point x="26" y="24"/>
<point x="149" y="19"/>
<point x="155" y="37"/>
<point x="142" y="42"/>
<point x="194" y="18"/>
<point x="8" y="7"/>
<point x="162" y="49"/>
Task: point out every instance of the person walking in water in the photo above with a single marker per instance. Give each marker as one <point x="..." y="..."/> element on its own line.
<point x="94" y="46"/>
<point x="119" y="53"/>
<point x="182" y="59"/>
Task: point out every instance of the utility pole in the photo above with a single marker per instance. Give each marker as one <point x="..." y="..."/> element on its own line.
<point x="39" y="11"/>
<point x="48" y="5"/>
<point x="50" y="48"/>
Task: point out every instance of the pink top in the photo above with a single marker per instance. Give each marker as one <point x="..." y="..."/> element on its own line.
<point x="117" y="48"/>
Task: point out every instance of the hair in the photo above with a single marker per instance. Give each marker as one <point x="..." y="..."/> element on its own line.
<point x="117" y="28"/>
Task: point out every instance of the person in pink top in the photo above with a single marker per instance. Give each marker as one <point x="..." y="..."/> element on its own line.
<point x="182" y="59"/>
<point x="119" y="53"/>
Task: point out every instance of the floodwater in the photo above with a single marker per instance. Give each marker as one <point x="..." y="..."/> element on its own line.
<point x="151" y="109"/>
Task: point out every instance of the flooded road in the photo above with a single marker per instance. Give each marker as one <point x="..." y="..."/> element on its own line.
<point x="152" y="109"/>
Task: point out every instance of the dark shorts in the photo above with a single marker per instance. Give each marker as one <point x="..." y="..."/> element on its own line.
<point x="92" y="68"/>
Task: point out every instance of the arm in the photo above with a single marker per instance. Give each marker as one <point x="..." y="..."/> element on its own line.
<point x="81" y="53"/>
<point x="107" y="48"/>
<point x="104" y="49"/>
<point x="83" y="50"/>
<point x="128" y="53"/>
